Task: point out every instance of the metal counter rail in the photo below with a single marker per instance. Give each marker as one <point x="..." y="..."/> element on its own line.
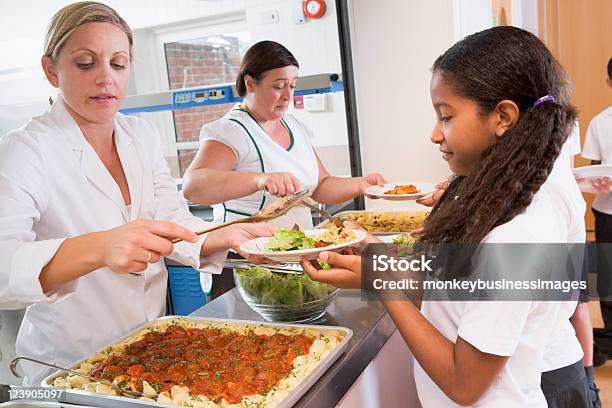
<point x="371" y="326"/>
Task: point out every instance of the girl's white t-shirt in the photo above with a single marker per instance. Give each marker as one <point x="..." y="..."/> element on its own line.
<point x="563" y="348"/>
<point x="518" y="329"/>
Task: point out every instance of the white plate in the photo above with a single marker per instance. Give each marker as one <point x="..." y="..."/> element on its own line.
<point x="256" y="247"/>
<point x="379" y="191"/>
<point x="590" y="173"/>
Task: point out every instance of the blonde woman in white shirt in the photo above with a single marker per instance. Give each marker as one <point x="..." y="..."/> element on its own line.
<point x="87" y="205"/>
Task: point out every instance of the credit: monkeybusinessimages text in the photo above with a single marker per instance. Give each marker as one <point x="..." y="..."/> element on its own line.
<point x="390" y="281"/>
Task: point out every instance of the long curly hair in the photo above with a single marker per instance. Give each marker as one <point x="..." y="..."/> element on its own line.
<point x="487" y="67"/>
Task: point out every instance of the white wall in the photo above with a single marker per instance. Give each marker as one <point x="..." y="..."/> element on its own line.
<point x="393" y="49"/>
<point x="315" y="45"/>
<point x="470" y="16"/>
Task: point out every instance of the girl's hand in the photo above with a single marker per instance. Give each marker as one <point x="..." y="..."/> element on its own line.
<point x="373" y="179"/>
<point x="345" y="272"/>
<point x="131" y="247"/>
<point x="603" y="185"/>
<point x="417" y="231"/>
<point x="278" y="184"/>
<point x="431" y="199"/>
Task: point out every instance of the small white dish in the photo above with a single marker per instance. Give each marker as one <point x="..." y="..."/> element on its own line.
<point x="379" y="191"/>
<point x="257" y="247"/>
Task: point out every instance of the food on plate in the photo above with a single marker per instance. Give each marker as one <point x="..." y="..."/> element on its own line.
<point x="403" y="189"/>
<point x="208" y="364"/>
<point x="404" y="244"/>
<point x="281" y="288"/>
<point x="378" y="222"/>
<point x="285" y="239"/>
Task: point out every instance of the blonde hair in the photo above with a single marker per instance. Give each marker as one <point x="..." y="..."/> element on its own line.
<point x="69" y="18"/>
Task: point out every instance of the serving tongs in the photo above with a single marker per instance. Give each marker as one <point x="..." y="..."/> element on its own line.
<point x="293" y="268"/>
<point x="336" y="220"/>
<point x="270" y="212"/>
<point x="121" y="391"/>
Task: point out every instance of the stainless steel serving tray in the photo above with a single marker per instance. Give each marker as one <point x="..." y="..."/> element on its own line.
<point x="40" y="404"/>
<point x="324" y="222"/>
<point x="111" y="401"/>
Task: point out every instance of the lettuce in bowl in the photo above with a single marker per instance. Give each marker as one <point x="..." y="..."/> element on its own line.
<point x="269" y="288"/>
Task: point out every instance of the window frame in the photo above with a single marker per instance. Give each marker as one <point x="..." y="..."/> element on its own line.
<point x="216" y="25"/>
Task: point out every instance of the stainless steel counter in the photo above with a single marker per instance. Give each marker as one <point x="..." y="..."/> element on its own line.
<point x="371" y="327"/>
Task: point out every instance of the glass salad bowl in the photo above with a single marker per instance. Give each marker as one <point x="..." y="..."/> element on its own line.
<point x="283" y="297"/>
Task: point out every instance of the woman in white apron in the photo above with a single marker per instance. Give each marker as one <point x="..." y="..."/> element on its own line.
<point x="258" y="152"/>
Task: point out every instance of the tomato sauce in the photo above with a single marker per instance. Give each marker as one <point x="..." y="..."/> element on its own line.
<point x="209" y="362"/>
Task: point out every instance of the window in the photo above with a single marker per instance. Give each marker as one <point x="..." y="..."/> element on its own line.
<point x="202" y="61"/>
<point x="200" y="52"/>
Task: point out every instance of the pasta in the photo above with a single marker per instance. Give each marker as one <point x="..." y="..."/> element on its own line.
<point x="388" y="221"/>
<point x="283" y="358"/>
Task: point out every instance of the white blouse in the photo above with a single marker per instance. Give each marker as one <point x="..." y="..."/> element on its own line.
<point x="53" y="186"/>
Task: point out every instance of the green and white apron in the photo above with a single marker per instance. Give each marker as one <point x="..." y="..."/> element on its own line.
<point x="257" y="152"/>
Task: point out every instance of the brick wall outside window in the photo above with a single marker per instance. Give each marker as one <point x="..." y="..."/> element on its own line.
<point x="196" y="63"/>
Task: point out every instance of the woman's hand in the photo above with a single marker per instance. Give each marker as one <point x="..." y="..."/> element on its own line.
<point x="373" y="179"/>
<point x="345" y="272"/>
<point x="235" y="235"/>
<point x="242" y="233"/>
<point x="131" y="247"/>
<point x="278" y="184"/>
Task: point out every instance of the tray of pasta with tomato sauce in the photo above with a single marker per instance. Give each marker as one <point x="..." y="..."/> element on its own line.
<point x="205" y="363"/>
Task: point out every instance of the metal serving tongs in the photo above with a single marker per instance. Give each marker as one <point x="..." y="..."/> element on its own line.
<point x="270" y="212"/>
<point x="121" y="391"/>
<point x="292" y="268"/>
<point x="337" y="220"/>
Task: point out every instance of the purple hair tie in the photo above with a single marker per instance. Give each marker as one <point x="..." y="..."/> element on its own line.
<point x="544" y="99"/>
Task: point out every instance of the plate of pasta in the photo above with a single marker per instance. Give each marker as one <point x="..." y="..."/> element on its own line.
<point x="385" y="222"/>
<point x="207" y="363"/>
<point x="401" y="191"/>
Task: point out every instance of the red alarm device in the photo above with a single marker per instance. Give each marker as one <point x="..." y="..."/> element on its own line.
<point x="314" y="8"/>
